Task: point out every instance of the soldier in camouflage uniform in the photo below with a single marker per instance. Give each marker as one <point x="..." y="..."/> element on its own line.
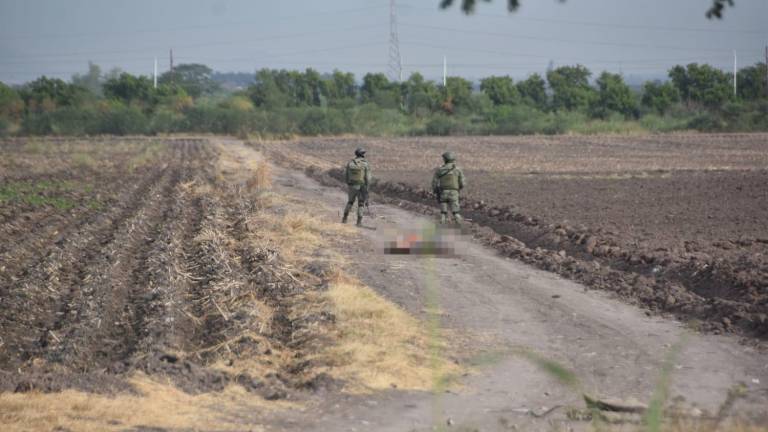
<point x="446" y="184"/>
<point x="357" y="173"/>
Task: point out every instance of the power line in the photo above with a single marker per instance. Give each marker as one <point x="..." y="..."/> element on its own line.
<point x="184" y="28"/>
<point x="195" y="45"/>
<point x="621" y="26"/>
<point x="560" y="40"/>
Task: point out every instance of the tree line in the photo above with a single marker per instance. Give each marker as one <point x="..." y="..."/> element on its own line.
<point x="566" y="98"/>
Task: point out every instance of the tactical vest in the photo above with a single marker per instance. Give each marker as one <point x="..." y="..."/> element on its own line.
<point x="449" y="180"/>
<point x="355" y="172"/>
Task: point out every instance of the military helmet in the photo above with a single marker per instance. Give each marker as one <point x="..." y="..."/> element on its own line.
<point x="449" y="157"/>
<point x="360" y="152"/>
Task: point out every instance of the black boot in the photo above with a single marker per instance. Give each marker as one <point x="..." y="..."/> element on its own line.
<point x="344" y="219"/>
<point x="359" y="221"/>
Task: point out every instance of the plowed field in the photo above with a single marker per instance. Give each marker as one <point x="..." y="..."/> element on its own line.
<point x="678" y="223"/>
<point x="135" y="255"/>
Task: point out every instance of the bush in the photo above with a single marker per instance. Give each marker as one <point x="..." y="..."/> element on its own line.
<point x="323" y="121"/>
<point x="442" y="125"/>
<point x="166" y="121"/>
<point x="523" y="119"/>
<point x="121" y="120"/>
<point x="5" y="127"/>
<point x="707" y="122"/>
<point x="657" y="123"/>
<point x="369" y="119"/>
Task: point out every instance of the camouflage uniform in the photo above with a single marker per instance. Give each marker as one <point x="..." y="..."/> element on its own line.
<point x="357" y="173"/>
<point x="446" y="183"/>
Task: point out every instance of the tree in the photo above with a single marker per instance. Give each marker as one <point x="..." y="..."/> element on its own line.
<point x="751" y="81"/>
<point x="46" y="94"/>
<point x="376" y="88"/>
<point x="196" y="79"/>
<point x="421" y="96"/>
<point x="265" y="91"/>
<point x="701" y="84"/>
<point x="533" y="91"/>
<point x="468" y="6"/>
<point x="11" y="105"/>
<point x="130" y="89"/>
<point x="91" y="80"/>
<point x="613" y="95"/>
<point x="500" y="89"/>
<point x="570" y="87"/>
<point x="660" y="96"/>
<point x="340" y="87"/>
<point x="458" y="92"/>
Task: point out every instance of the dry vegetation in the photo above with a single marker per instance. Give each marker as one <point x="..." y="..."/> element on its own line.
<point x="188" y="296"/>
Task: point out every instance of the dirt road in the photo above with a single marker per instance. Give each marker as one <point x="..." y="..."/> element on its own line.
<point x="491" y="308"/>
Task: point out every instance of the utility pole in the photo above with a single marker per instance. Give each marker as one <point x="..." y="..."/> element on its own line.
<point x="172" y="80"/>
<point x="155" y="73"/>
<point x="395" y="59"/>
<point x="445" y="71"/>
<point x="735" y="73"/>
<point x="766" y="71"/>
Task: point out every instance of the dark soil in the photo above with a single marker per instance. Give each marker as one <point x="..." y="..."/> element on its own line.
<point x="688" y="241"/>
<point x="158" y="278"/>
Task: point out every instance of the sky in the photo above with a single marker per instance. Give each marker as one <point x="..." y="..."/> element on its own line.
<point x="639" y="38"/>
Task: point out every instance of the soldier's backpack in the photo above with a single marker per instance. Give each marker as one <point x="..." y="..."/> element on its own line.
<point x="449" y="179"/>
<point x="355" y="172"/>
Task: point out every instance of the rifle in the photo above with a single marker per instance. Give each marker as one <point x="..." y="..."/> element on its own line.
<point x="365" y="196"/>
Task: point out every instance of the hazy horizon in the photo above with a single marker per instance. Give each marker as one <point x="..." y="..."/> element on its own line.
<point x="58" y="39"/>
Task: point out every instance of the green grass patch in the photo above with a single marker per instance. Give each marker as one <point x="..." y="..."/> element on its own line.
<point x="40" y="193"/>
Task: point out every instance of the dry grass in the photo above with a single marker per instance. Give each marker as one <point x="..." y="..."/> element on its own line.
<point x="157" y="406"/>
<point x="381" y="346"/>
<point x="297" y="234"/>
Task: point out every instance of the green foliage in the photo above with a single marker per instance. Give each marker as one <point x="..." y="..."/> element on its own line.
<point x="751" y="82"/>
<point x="659" y="97"/>
<point x="45" y="94"/>
<point x="442" y="125"/>
<point x="458" y="91"/>
<point x="38" y="193"/>
<point x="421" y="97"/>
<point x="196" y="79"/>
<point x="377" y="89"/>
<point x="130" y="89"/>
<point x="701" y="84"/>
<point x="570" y="87"/>
<point x="265" y="91"/>
<point x="282" y="102"/>
<point x="613" y="96"/>
<point x="121" y="120"/>
<point x="92" y="80"/>
<point x="369" y="119"/>
<point x="533" y="91"/>
<point x="500" y="89"/>
<point x="5" y="127"/>
<point x="280" y="89"/>
<point x="11" y="105"/>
